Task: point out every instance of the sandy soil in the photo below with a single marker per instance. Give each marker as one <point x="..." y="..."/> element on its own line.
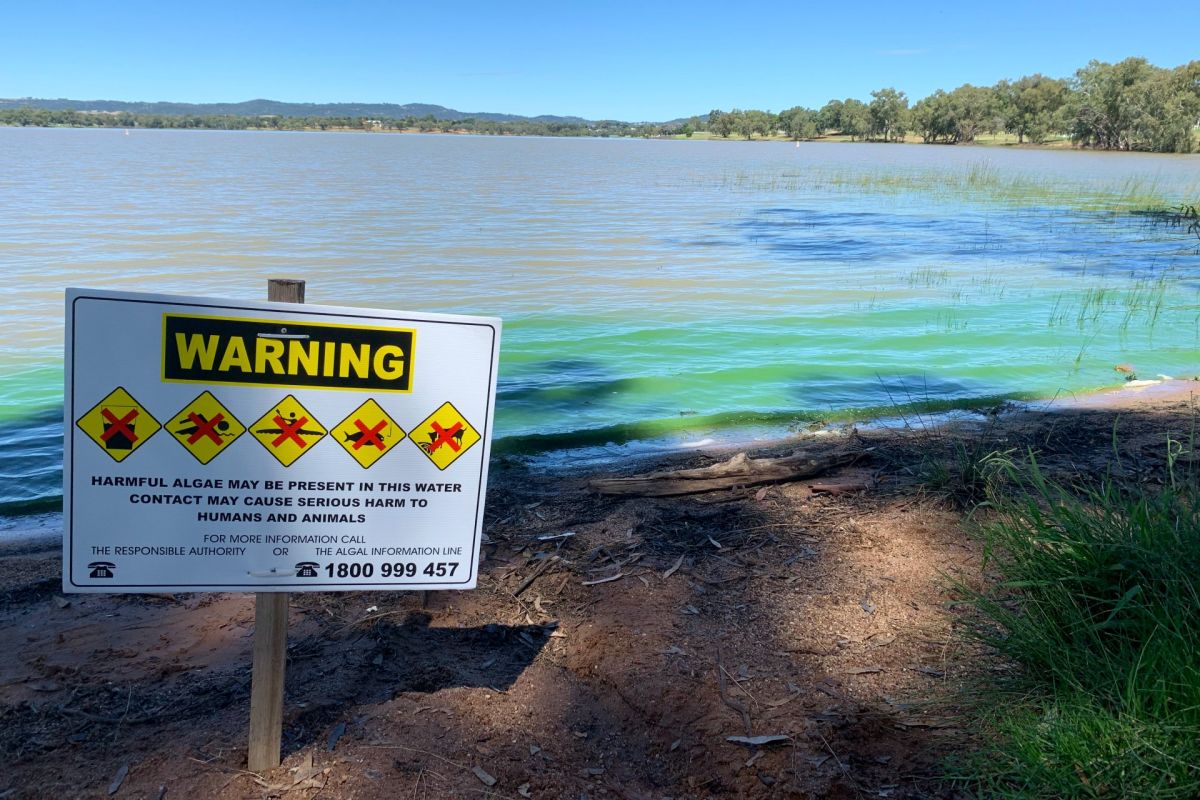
<point x="612" y="648"/>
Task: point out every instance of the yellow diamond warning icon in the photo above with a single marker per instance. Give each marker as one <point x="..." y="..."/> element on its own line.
<point x="444" y="436"/>
<point x="119" y="424"/>
<point x="367" y="434"/>
<point x="205" y="427"/>
<point x="288" y="431"/>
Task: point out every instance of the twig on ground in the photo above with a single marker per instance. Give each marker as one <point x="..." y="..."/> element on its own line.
<point x="723" y="688"/>
<point x="533" y="576"/>
<point x="223" y="768"/>
<point x="841" y="766"/>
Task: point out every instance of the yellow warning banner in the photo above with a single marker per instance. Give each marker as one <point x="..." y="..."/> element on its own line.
<point x="444" y="436"/>
<point x="205" y="428"/>
<point x="287" y="431"/>
<point x="119" y="424"/>
<point x="263" y="352"/>
<point x="368" y="433"/>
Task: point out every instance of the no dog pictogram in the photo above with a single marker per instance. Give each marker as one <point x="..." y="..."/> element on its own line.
<point x="368" y="433"/>
<point x="288" y="430"/>
<point x="205" y="427"/>
<point x="444" y="436"/>
<point x="119" y="424"/>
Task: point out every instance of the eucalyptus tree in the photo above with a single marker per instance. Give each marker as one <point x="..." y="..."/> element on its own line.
<point x="799" y="123"/>
<point x="829" y="118"/>
<point x="973" y="110"/>
<point x="720" y="123"/>
<point x="752" y="121"/>
<point x="1033" y="107"/>
<point x="888" y="113"/>
<point x="856" y="119"/>
<point x="1134" y="105"/>
<point x="933" y="118"/>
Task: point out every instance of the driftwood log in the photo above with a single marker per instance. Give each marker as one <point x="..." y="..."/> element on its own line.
<point x="739" y="471"/>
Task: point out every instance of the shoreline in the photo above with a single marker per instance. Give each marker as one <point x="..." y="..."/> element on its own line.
<point x="19" y="532"/>
<point x="1060" y="146"/>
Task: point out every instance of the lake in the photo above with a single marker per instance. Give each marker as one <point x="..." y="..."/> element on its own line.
<point x="654" y="293"/>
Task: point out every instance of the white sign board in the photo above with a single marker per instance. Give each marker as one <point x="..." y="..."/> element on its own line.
<point x="241" y="446"/>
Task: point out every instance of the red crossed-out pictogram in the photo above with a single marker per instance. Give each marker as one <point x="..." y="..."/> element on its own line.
<point x="445" y="436"/>
<point x="205" y="428"/>
<point x="369" y="435"/>
<point x="121" y="425"/>
<point x="289" y="430"/>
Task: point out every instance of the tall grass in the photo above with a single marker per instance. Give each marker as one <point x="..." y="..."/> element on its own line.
<point x="1098" y="613"/>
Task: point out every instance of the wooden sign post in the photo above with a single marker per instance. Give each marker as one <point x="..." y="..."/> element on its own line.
<point x="270" y="631"/>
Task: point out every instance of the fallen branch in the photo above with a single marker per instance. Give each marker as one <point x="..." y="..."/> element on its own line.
<point x="739" y="471"/>
<point x="836" y="489"/>
<point x="609" y="579"/>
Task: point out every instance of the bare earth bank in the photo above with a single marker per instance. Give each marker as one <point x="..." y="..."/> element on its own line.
<point x="611" y="662"/>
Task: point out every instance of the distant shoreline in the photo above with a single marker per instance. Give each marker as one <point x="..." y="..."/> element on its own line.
<point x="985" y="142"/>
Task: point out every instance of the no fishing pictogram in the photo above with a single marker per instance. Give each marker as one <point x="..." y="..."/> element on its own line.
<point x="444" y="436"/>
<point x="119" y="424"/>
<point x="287" y="431"/>
<point x="205" y="427"/>
<point x="367" y="434"/>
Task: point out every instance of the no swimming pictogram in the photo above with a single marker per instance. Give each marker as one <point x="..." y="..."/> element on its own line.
<point x="368" y="433"/>
<point x="119" y="424"/>
<point x="287" y="431"/>
<point x="205" y="427"/>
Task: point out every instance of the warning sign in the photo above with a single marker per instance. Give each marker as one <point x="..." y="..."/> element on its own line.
<point x="186" y="515"/>
<point x="368" y="433"/>
<point x="288" y="430"/>
<point x="205" y="427"/>
<point x="119" y="424"/>
<point x="444" y="436"/>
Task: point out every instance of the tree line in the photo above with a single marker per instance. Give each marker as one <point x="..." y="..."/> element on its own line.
<point x="1130" y="105"/>
<point x="48" y="118"/>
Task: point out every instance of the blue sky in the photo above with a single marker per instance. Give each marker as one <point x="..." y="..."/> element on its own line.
<point x="646" y="60"/>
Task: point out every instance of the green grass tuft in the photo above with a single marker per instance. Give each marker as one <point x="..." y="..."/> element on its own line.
<point x="1098" y="608"/>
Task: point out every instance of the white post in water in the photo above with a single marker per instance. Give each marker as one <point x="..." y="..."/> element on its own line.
<point x="270" y="631"/>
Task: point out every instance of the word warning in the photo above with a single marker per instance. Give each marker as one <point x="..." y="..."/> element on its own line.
<point x="200" y="349"/>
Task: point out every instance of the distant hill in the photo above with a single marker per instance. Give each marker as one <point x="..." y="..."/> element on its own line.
<point x="258" y="108"/>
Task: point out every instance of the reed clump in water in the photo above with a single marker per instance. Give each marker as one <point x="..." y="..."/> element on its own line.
<point x="979" y="182"/>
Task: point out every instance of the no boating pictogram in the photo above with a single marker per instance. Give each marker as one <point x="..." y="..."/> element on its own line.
<point x="205" y="427"/>
<point x="288" y="430"/>
<point x="368" y="433"/>
<point x="119" y="424"/>
<point x="444" y="435"/>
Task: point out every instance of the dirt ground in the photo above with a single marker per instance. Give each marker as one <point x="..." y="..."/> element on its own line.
<point x="612" y="648"/>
